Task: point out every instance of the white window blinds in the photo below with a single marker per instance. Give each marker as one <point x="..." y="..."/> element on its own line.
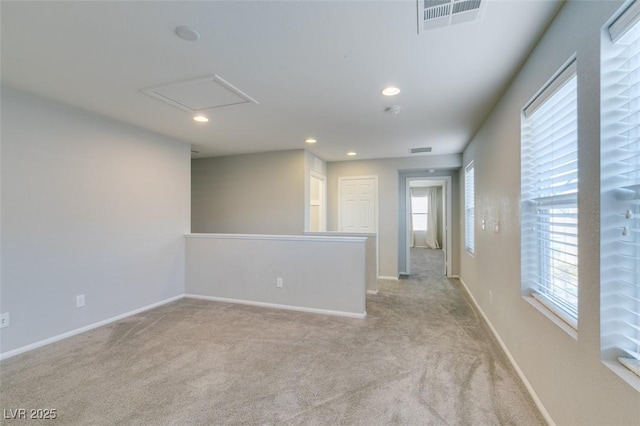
<point x="549" y="191"/>
<point x="419" y="209"/>
<point x="620" y="186"/>
<point x="469" y="208"/>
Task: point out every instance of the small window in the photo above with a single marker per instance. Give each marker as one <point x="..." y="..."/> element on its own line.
<point x="549" y="195"/>
<point x="469" y="208"/>
<point x="620" y="192"/>
<point x="419" y="211"/>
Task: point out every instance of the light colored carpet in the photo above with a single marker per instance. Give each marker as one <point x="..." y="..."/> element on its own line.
<point x="427" y="264"/>
<point x="422" y="356"/>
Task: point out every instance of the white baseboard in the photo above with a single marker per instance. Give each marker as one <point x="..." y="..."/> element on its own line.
<point x="80" y="330"/>
<point x="277" y="306"/>
<point x="62" y="336"/>
<point x="372" y="291"/>
<point x="454" y="276"/>
<point x="381" y="277"/>
<point x="532" y="392"/>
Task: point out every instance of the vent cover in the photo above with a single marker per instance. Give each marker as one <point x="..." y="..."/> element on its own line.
<point x="419" y="150"/>
<point x="442" y="13"/>
<point x="200" y="94"/>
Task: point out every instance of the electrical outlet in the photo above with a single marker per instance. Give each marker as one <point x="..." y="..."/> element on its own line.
<point x="4" y="320"/>
<point x="80" y="301"/>
<point x="279" y="282"/>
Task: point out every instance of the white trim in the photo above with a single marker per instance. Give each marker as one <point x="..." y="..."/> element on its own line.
<point x="327" y="239"/>
<point x="372" y="292"/>
<point x="556" y="310"/>
<point x="382" y="277"/>
<point x="80" y="330"/>
<point x="532" y="392"/>
<point x="278" y="306"/>
<point x="469" y="167"/>
<point x="548" y="311"/>
<point x="407" y="227"/>
<point x="623" y="372"/>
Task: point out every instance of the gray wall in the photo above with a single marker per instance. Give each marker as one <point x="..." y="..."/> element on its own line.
<point x="319" y="273"/>
<point x="389" y="186"/>
<point x="371" y="255"/>
<point x="249" y="194"/>
<point x="575" y="387"/>
<point x="89" y="206"/>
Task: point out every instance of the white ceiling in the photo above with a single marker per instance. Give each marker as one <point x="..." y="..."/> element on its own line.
<point x="316" y="68"/>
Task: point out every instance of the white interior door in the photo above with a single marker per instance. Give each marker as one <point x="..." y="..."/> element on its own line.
<point x="358" y="204"/>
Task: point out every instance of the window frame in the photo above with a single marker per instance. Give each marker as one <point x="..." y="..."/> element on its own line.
<point x="414" y="214"/>
<point x="549" y="197"/>
<point x="620" y="196"/>
<point x="469" y="208"/>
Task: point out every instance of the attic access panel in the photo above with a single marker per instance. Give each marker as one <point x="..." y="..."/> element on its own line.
<point x="200" y="94"/>
<point x="443" y="13"/>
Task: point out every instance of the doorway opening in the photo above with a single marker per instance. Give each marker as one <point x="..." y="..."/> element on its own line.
<point x="317" y="202"/>
<point x="426" y="222"/>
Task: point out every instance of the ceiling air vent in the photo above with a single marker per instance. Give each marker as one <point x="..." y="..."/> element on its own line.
<point x="442" y="13"/>
<point x="419" y="150"/>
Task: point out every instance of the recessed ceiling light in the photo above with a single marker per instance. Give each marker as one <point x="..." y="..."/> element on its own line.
<point x="310" y="141"/>
<point x="200" y="118"/>
<point x="351" y="153"/>
<point x="390" y="91"/>
<point x="188" y="33"/>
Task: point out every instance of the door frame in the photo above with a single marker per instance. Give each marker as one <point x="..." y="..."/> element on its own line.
<point x="447" y="217"/>
<point x="375" y="207"/>
<point x="323" y="194"/>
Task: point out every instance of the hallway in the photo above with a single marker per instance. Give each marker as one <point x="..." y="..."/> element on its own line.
<point x="427" y="263"/>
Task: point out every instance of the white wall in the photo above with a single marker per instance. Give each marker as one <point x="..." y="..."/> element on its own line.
<point x="566" y="374"/>
<point x="389" y="187"/>
<point x="89" y="206"/>
<point x="250" y="193"/>
<point x="319" y="273"/>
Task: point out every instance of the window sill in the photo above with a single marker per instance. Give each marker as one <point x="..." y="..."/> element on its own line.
<point x="624" y="373"/>
<point x="547" y="312"/>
